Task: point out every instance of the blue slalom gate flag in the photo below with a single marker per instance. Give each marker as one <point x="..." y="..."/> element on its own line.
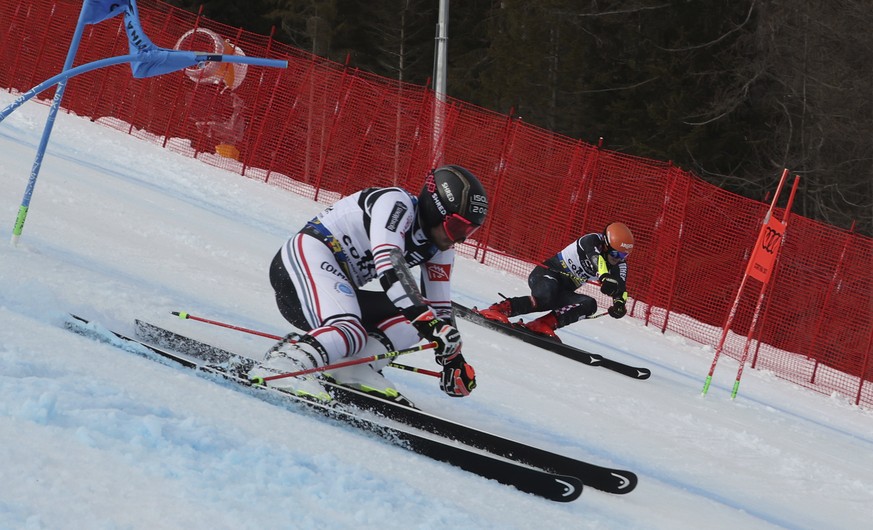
<point x="146" y="60"/>
<point x="151" y="60"/>
<point x="96" y="11"/>
<point x="157" y="61"/>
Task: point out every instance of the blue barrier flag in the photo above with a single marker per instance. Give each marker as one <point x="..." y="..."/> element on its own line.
<point x="157" y="61"/>
<point x="151" y="60"/>
<point x="96" y="11"/>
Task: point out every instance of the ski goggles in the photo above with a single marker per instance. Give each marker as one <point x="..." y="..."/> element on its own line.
<point x="458" y="228"/>
<point x="617" y="254"/>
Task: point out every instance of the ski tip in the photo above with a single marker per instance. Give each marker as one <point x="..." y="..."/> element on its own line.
<point x="570" y="489"/>
<point x="626" y="482"/>
<point x="181" y="314"/>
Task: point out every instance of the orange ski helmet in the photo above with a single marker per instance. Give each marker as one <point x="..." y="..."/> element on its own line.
<point x="619" y="240"/>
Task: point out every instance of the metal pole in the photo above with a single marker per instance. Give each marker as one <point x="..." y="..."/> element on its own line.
<point x="439" y="67"/>
<point x="442" y="41"/>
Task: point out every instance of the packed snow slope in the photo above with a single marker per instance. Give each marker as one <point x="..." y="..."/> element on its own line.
<point x="94" y="437"/>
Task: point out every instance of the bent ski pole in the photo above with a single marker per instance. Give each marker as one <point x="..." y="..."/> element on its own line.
<point x="372" y="358"/>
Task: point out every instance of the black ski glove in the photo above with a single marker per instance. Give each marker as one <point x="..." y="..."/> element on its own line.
<point x="618" y="309"/>
<point x="609" y="284"/>
<point x="459" y="378"/>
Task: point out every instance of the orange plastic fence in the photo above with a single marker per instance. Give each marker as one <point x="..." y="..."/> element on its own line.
<point x="325" y="130"/>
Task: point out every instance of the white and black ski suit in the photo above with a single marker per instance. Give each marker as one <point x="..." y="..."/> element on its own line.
<point x="320" y="273"/>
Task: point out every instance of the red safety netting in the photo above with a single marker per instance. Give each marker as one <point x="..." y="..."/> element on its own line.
<point x="324" y="130"/>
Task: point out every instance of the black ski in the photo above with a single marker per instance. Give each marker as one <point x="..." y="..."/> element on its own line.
<point x="213" y="355"/>
<point x="610" y="480"/>
<point x="547" y="343"/>
<point x="552" y="486"/>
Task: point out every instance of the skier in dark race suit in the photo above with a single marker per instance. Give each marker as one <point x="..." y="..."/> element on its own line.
<point x="595" y="256"/>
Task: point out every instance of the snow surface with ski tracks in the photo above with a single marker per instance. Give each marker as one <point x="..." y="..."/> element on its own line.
<point x="94" y="437"/>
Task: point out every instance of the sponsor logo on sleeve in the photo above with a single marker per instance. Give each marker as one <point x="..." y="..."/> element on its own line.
<point x="397" y="214"/>
<point x="344" y="288"/>
<point x="438" y="273"/>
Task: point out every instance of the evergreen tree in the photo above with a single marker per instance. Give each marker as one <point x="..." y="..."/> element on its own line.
<point x="392" y="38"/>
<point x="248" y="15"/>
<point x="733" y="91"/>
<point x="305" y="24"/>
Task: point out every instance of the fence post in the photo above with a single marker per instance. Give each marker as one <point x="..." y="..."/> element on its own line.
<point x="398" y="130"/>
<point x="595" y="167"/>
<point x="673" y="179"/>
<point x="503" y="162"/>
<point x="413" y="165"/>
<point x="48" y="27"/>
<point x="4" y="36"/>
<point x="443" y="122"/>
<point x="257" y="143"/>
<point x="583" y="183"/>
<point x="864" y="366"/>
<point x="287" y="122"/>
<point x="256" y="146"/>
<point x="351" y="167"/>
<point x="346" y="85"/>
<point x="821" y="314"/>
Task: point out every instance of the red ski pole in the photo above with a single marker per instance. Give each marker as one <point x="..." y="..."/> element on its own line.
<point x="386" y="355"/>
<point x="187" y="316"/>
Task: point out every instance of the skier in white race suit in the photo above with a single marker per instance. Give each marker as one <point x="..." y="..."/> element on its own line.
<point x="377" y="233"/>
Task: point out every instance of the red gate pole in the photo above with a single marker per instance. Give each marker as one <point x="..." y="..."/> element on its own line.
<point x="766" y="284"/>
<point x="733" y="312"/>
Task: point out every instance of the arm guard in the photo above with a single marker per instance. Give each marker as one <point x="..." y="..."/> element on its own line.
<point x="399" y="284"/>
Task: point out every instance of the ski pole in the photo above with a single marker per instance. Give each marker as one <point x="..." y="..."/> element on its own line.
<point x="187" y="316"/>
<point x="415" y="369"/>
<point x="386" y="355"/>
